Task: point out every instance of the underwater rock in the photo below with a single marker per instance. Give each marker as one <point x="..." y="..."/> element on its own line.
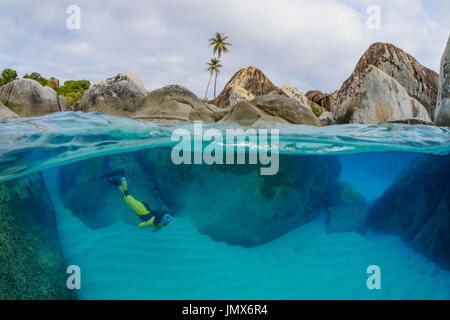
<point x="250" y="79"/>
<point x="173" y="103"/>
<point x="416" y="207"/>
<point x="434" y="237"/>
<point x="28" y="98"/>
<point x="375" y="97"/>
<point x="347" y="210"/>
<point x="237" y="205"/>
<point x="121" y="95"/>
<point x="91" y="198"/>
<point x="32" y="265"/>
<point x="442" y="115"/>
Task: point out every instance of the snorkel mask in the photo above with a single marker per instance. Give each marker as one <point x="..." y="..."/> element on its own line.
<point x="166" y="219"/>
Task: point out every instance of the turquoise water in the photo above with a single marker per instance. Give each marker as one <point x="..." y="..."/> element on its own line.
<point x="236" y="235"/>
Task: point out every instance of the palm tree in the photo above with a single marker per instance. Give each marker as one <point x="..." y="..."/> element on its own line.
<point x="213" y="66"/>
<point x="219" y="43"/>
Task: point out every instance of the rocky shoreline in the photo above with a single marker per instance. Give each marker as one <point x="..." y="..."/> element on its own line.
<point x="387" y="85"/>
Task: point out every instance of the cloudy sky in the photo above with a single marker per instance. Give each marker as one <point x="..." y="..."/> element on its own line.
<point x="310" y="44"/>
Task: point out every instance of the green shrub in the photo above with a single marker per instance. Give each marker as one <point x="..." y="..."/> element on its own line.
<point x="73" y="90"/>
<point x="8" y="75"/>
<point x="317" y="111"/>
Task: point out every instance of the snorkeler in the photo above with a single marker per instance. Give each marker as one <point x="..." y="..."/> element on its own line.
<point x="150" y="218"/>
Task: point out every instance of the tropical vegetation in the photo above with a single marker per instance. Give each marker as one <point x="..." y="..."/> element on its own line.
<point x="72" y="90"/>
<point x="213" y="67"/>
<point x="220" y="45"/>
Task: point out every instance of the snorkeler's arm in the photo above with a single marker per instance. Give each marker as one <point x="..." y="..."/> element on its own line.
<point x="148" y="223"/>
<point x="124" y="184"/>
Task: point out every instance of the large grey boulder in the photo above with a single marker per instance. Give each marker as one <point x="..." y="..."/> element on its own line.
<point x="375" y="97"/>
<point x="291" y="92"/>
<point x="238" y="94"/>
<point x="243" y="113"/>
<point x="6" y="112"/>
<point x="419" y="82"/>
<point x="245" y="84"/>
<point x="32" y="264"/>
<point x="28" y="98"/>
<point x="442" y="115"/>
<point x="174" y="103"/>
<point x="271" y="108"/>
<point x="286" y="108"/>
<point x="417" y="207"/>
<point x="218" y="113"/>
<point x="315" y="96"/>
<point x="327" y="119"/>
<point x="63" y="104"/>
<point x="121" y="95"/>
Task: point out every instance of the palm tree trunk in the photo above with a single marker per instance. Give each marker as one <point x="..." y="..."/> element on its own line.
<point x="209" y="81"/>
<point x="215" y="82"/>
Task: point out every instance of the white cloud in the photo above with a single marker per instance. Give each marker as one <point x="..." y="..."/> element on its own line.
<point x="304" y="43"/>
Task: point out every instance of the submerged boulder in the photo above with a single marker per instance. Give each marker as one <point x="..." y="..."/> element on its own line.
<point x="95" y="201"/>
<point x="173" y="103"/>
<point x="235" y="204"/>
<point x="253" y="82"/>
<point x="121" y="95"/>
<point x="416" y="207"/>
<point x="32" y="265"/>
<point x="434" y="237"/>
<point x="375" y="97"/>
<point x="28" y="98"/>
<point x="442" y="115"/>
<point x="347" y="210"/>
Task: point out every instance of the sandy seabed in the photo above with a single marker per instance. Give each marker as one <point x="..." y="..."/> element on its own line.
<point x="123" y="261"/>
